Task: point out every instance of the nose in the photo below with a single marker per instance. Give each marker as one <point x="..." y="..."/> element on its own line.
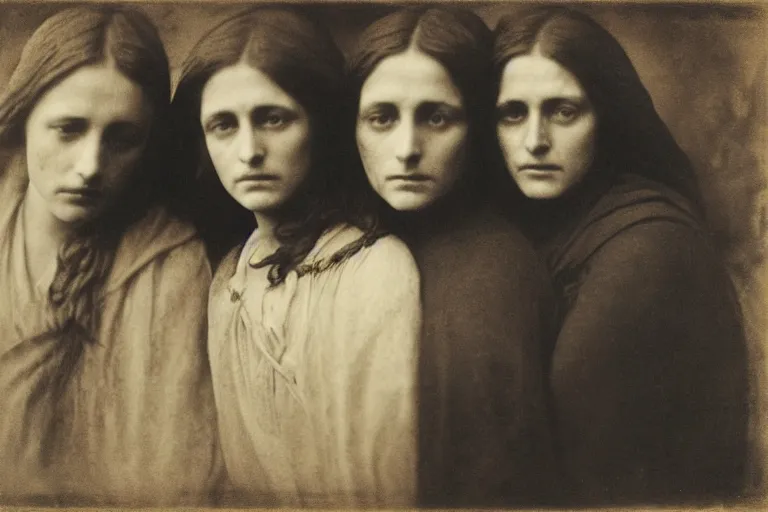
<point x="89" y="157"/>
<point x="408" y="147"/>
<point x="250" y="148"/>
<point x="537" y="140"/>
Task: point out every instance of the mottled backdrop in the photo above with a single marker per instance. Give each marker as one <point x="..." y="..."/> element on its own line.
<point x="705" y="67"/>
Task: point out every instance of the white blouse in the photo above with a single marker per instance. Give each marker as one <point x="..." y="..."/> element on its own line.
<point x="315" y="378"/>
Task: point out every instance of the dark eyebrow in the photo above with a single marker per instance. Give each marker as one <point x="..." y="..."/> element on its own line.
<point x="438" y="104"/>
<point x="377" y="107"/>
<point x="67" y="119"/>
<point x="434" y="105"/>
<point x="507" y="104"/>
<point x="270" y="106"/>
<point x="560" y="99"/>
<point x="261" y="110"/>
<point x="556" y="99"/>
<point x="216" y="116"/>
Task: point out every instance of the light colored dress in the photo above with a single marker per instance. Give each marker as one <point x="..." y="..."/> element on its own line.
<point x="315" y="378"/>
<point x="135" y="421"/>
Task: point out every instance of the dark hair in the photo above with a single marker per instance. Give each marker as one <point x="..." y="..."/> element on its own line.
<point x="301" y="57"/>
<point x="631" y="136"/>
<point x="461" y="42"/>
<point x="64" y="43"/>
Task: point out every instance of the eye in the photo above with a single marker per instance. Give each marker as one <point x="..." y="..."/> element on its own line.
<point x="381" y="121"/>
<point x="513" y="112"/>
<point x="438" y="115"/>
<point x="69" y="129"/>
<point x="221" y="126"/>
<point x="438" y="120"/>
<point x="565" y="113"/>
<point x="273" y="118"/>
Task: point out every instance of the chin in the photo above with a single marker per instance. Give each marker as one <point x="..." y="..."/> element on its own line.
<point x="75" y="215"/>
<point x="407" y="205"/>
<point x="261" y="206"/>
<point x="541" y="193"/>
<point x="408" y="201"/>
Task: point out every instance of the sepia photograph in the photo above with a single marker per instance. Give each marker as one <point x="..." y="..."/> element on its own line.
<point x="198" y="311"/>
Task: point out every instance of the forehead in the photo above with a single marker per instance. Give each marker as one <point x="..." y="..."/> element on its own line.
<point x="533" y="77"/>
<point x="409" y="78"/>
<point x="241" y="88"/>
<point x="100" y="93"/>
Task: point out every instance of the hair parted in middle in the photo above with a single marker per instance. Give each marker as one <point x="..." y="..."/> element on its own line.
<point x="301" y="57"/>
<point x="63" y="44"/>
<point x="631" y="136"/>
<point x="462" y="43"/>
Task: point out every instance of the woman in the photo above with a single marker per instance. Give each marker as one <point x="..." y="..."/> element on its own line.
<point x="649" y="367"/>
<point x="104" y="385"/>
<point x="423" y="95"/>
<point x="313" y="321"/>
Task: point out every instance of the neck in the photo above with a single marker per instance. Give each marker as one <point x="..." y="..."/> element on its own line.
<point x="267" y="224"/>
<point x="546" y="220"/>
<point x="444" y="214"/>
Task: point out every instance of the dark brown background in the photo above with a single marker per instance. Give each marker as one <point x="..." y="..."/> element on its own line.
<point x="705" y="67"/>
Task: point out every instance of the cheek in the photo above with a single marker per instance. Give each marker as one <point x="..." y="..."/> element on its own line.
<point x="510" y="143"/>
<point x="291" y="153"/>
<point x="127" y="160"/>
<point x="222" y="157"/>
<point x="371" y="149"/>
<point x="44" y="155"/>
<point x="579" y="146"/>
<point x="448" y="154"/>
<point x="123" y="166"/>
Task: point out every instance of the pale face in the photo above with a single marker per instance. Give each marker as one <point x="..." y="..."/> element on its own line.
<point x="84" y="139"/>
<point x="411" y="130"/>
<point x="257" y="135"/>
<point x="546" y="126"/>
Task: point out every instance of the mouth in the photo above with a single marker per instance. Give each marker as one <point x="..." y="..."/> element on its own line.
<point x="540" y="168"/>
<point x="257" y="178"/>
<point x="84" y="194"/>
<point x="409" y="178"/>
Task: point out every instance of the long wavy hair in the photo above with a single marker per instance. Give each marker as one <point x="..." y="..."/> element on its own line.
<point x="462" y="43"/>
<point x="631" y="136"/>
<point x="64" y="43"/>
<point x="301" y="57"/>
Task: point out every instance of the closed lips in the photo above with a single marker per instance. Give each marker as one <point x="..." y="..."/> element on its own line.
<point x="258" y="177"/>
<point x="85" y="192"/>
<point x="540" y="167"/>
<point x="409" y="177"/>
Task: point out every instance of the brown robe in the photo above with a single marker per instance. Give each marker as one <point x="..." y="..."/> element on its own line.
<point x="649" y="371"/>
<point x="484" y="430"/>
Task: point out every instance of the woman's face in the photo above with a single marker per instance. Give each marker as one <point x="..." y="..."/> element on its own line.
<point x="411" y="130"/>
<point x="546" y="126"/>
<point x="257" y="135"/>
<point x="84" y="139"/>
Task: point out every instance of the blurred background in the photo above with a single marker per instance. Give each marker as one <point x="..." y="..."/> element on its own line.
<point x="705" y="67"/>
